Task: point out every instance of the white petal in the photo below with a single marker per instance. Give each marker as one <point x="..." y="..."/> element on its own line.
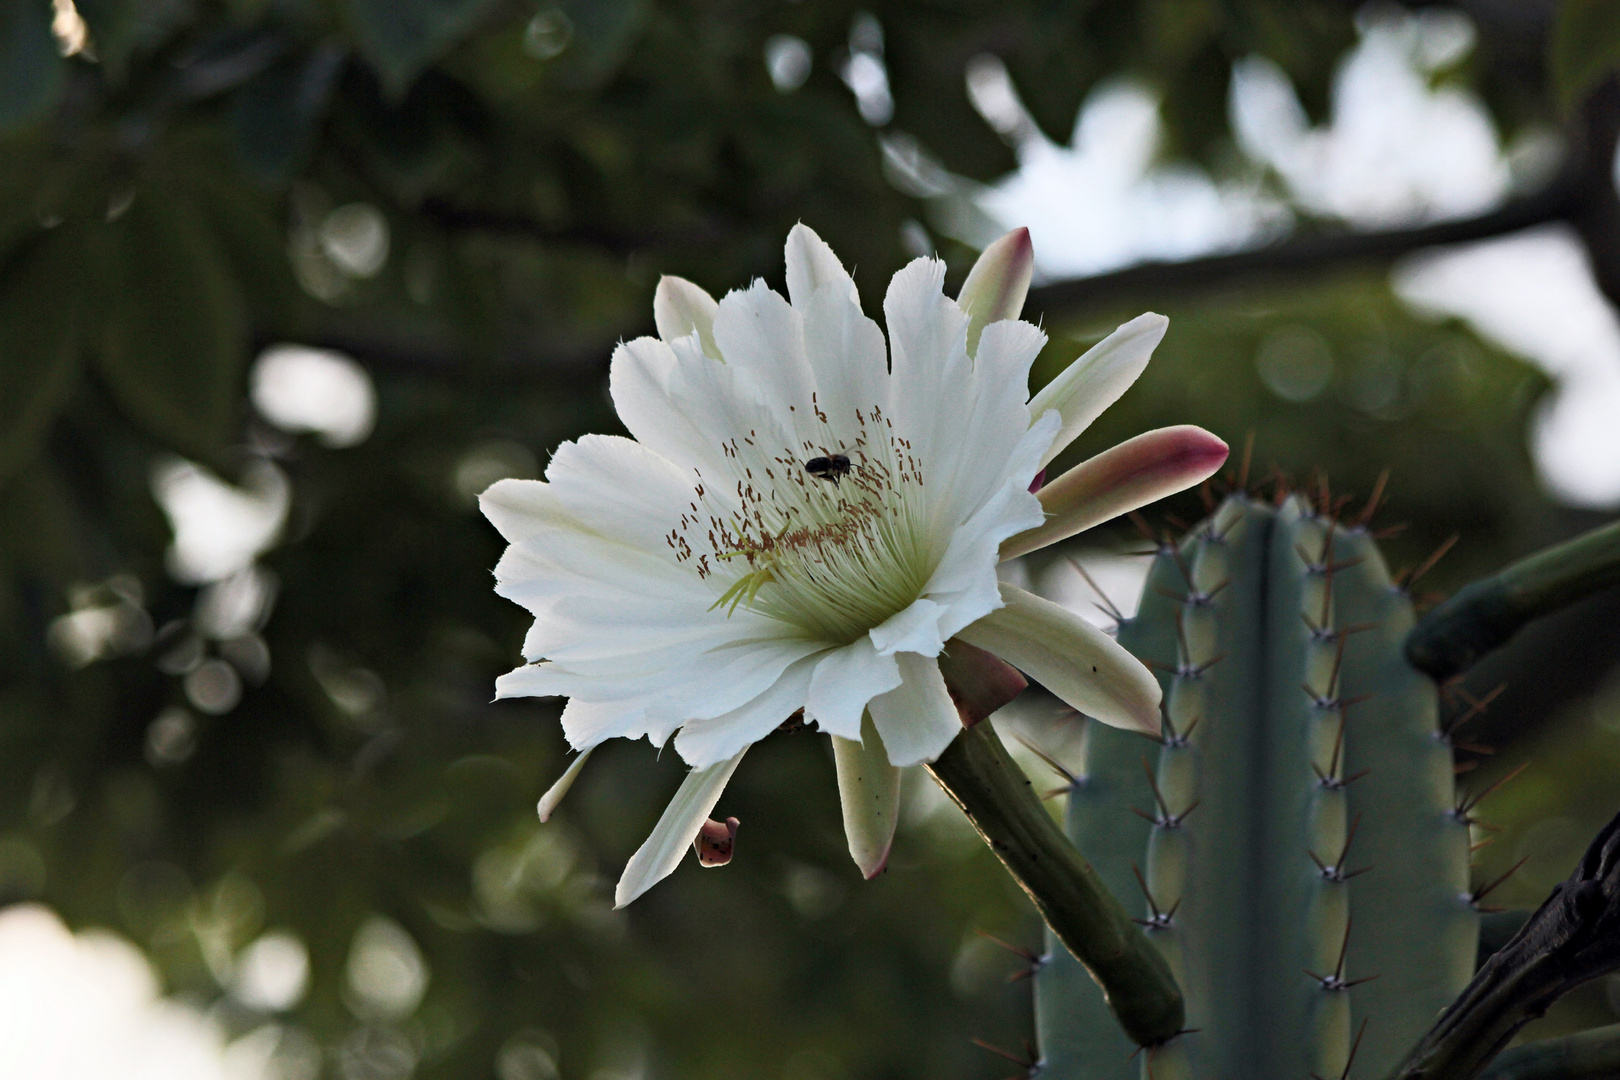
<point x="587" y="724"/>
<point x="914" y="629"/>
<point x="520" y="509"/>
<point x="759" y="332"/>
<point x="1088" y="386"/>
<point x="917" y="720"/>
<point x="621" y="489"/>
<point x="845" y="680"/>
<point x="683" y="404"/>
<point x="532" y="680"/>
<point x="704" y="742"/>
<point x="964" y="582"/>
<point x="930" y="368"/>
<point x="681" y="309"/>
<point x="811" y="265"/>
<point x="848" y="358"/>
<point x="1070" y="657"/>
<point x="664" y="849"/>
<point x="869" y="792"/>
<point x="554" y="794"/>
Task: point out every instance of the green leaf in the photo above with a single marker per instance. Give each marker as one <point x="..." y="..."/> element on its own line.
<point x="39" y="353"/>
<point x="176" y="334"/>
<point x="275" y="115"/>
<point x="1585" y="47"/>
<point x="31" y="72"/>
<point x="402" y="37"/>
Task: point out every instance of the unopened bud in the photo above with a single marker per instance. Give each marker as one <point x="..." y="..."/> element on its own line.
<point x="714" y="842"/>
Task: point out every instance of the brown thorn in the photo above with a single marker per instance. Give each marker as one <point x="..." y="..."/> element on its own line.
<point x="1248" y="456"/>
<point x="1428" y="564"/>
<point x="1207" y="497"/>
<point x="1372" y="502"/>
<point x="1108" y="605"/>
<point x="1016" y="950"/>
<point x="1176" y="522"/>
<point x="1051" y="763"/>
<point x="1141" y="881"/>
<point x="1472" y="801"/>
<point x="1475" y="706"/>
<point x="1464" y="767"/>
<point x="1008" y="1054"/>
<point x="1390" y="531"/>
<point x="1481" y="893"/>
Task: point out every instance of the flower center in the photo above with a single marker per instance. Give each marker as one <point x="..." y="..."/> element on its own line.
<point x="830" y="536"/>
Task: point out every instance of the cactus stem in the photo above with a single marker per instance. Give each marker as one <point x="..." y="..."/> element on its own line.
<point x="1351" y="1060"/>
<point x="1364" y="518"/>
<point x="1136" y="980"/>
<point x="1485" y="890"/>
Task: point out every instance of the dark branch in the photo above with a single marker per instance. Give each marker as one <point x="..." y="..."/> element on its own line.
<point x="1572" y="938"/>
<point x="1593" y="1054"/>
<point x="1288" y="259"/>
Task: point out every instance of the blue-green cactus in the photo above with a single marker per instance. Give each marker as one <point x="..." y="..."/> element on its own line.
<point x="1293" y="841"/>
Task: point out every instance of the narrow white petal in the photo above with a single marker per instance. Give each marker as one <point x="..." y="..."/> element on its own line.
<point x="1070" y="657"/>
<point x="675" y="831"/>
<point x="869" y="791"/>
<point x="844" y="681"/>
<point x="915" y="629"/>
<point x="1088" y="386"/>
<point x="681" y="309"/>
<point x="811" y="264"/>
<point x="917" y="720"/>
<point x="554" y="794"/>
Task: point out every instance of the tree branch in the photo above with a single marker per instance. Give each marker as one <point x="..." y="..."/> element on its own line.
<point x="1288" y="259"/>
<point x="1594" y="1055"/>
<point x="1573" y="937"/>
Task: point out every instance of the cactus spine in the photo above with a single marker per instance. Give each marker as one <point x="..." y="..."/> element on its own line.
<point x="1293" y="840"/>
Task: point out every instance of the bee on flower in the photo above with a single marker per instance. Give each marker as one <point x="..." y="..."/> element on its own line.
<point x="808" y="517"/>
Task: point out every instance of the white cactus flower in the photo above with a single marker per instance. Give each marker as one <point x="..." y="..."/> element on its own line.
<point x="806" y="518"/>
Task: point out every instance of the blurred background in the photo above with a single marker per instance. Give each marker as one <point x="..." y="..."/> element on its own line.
<point x="285" y="283"/>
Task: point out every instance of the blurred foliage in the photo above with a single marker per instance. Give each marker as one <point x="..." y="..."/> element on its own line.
<point x="474" y="198"/>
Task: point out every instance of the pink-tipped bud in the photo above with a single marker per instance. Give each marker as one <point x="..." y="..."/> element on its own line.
<point x="998" y="283"/>
<point x="714" y="842"/>
<point x="1129" y="476"/>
